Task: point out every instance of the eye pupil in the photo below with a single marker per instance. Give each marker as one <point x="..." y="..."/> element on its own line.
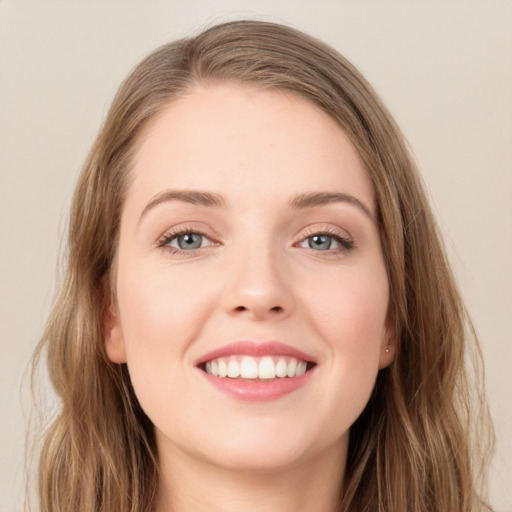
<point x="322" y="242"/>
<point x="189" y="241"/>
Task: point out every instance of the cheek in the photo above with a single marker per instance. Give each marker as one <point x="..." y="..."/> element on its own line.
<point x="161" y="307"/>
<point x="162" y="313"/>
<point x="161" y="316"/>
<point x="349" y="312"/>
<point x="351" y="307"/>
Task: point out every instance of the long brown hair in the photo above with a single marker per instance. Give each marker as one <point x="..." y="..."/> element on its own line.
<point x="413" y="448"/>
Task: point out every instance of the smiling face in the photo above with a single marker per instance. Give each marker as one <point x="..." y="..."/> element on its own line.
<point x="251" y="289"/>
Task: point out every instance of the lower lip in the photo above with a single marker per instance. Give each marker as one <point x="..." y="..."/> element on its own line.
<point x="258" y="390"/>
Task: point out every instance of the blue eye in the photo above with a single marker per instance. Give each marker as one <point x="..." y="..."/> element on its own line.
<point x="187" y="241"/>
<point x="323" y="242"/>
<point x="184" y="241"/>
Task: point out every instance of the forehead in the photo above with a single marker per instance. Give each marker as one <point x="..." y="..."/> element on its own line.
<point x="243" y="141"/>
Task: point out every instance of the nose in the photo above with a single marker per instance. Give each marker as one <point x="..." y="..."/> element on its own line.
<point x="258" y="287"/>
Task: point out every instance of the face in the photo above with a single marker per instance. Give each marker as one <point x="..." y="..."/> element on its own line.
<point x="252" y="294"/>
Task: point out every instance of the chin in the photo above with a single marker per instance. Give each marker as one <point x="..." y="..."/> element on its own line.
<point x="269" y="450"/>
<point x="272" y="459"/>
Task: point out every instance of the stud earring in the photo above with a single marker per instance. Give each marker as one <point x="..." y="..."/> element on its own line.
<point x="387" y="350"/>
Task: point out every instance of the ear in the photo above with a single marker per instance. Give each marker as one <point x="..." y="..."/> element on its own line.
<point x="114" y="340"/>
<point x="388" y="345"/>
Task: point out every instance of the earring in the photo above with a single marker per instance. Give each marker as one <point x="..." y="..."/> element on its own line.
<point x="387" y="350"/>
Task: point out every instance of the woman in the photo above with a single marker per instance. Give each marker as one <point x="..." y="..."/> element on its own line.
<point x="257" y="313"/>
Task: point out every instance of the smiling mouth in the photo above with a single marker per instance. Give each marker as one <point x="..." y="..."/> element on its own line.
<point x="266" y="368"/>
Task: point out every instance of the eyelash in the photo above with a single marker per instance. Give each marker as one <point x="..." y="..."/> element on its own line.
<point x="346" y="244"/>
<point x="168" y="237"/>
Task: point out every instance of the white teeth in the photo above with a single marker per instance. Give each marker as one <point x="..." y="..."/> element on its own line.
<point x="301" y="368"/>
<point x="233" y="369"/>
<point x="223" y="369"/>
<point x="267" y="368"/>
<point x="281" y="368"/>
<point x="292" y="367"/>
<point x="264" y="368"/>
<point x="249" y="368"/>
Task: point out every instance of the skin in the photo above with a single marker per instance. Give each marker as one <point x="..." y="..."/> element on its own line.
<point x="254" y="278"/>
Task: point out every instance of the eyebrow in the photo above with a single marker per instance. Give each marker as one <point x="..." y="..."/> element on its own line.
<point x="299" y="202"/>
<point x="312" y="199"/>
<point x="187" y="196"/>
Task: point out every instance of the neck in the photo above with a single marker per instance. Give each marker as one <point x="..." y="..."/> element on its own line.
<point x="196" y="486"/>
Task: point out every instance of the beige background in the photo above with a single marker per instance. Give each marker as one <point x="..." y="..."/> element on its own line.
<point x="443" y="67"/>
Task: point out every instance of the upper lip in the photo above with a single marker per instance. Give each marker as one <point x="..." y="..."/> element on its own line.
<point x="255" y="349"/>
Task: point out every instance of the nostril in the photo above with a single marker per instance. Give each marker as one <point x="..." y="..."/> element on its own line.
<point x="258" y="311"/>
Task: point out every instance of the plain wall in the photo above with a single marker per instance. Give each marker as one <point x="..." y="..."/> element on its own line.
<point x="444" y="68"/>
